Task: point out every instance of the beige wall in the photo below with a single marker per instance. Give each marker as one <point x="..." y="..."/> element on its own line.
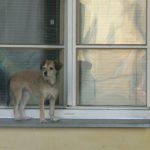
<point x="75" y="139"/>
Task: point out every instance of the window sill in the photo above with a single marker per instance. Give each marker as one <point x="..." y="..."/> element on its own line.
<point x="80" y="118"/>
<point x="76" y="123"/>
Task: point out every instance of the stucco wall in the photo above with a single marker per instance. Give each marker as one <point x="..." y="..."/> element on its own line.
<point x="75" y="139"/>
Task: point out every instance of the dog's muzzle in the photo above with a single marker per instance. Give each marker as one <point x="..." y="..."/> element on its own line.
<point x="45" y="73"/>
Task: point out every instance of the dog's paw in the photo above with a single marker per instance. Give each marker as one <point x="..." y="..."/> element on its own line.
<point x="54" y="119"/>
<point x="43" y="121"/>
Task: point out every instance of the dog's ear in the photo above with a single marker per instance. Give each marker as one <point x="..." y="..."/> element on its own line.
<point x="58" y="65"/>
<point x="42" y="64"/>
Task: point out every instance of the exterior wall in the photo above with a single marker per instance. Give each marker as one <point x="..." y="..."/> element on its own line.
<point x="75" y="139"/>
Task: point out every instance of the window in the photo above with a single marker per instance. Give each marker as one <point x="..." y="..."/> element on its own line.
<point x="112" y="77"/>
<point x="104" y="50"/>
<point x="101" y="23"/>
<point x="30" y="31"/>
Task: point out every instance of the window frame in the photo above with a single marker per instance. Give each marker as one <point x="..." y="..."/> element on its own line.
<point x="122" y="112"/>
<point x="70" y="110"/>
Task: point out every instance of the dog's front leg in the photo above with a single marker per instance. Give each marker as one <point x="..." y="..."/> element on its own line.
<point x="52" y="110"/>
<point x="42" y="112"/>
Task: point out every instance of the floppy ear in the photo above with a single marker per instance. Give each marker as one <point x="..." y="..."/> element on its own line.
<point x="58" y="65"/>
<point x="42" y="64"/>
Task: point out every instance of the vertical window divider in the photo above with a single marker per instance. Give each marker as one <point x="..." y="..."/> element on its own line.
<point x="148" y="53"/>
<point x="70" y="45"/>
<point x="74" y="54"/>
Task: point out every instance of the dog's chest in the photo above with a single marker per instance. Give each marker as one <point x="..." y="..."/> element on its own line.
<point x="50" y="91"/>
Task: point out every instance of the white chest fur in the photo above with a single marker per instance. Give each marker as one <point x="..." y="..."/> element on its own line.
<point x="50" y="92"/>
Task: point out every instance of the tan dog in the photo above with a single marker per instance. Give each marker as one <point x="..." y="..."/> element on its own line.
<point x="42" y="85"/>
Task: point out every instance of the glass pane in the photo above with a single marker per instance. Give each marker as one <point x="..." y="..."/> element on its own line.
<point x="31" y="21"/>
<point x="111" y="21"/>
<point x="17" y="60"/>
<point x="112" y="77"/>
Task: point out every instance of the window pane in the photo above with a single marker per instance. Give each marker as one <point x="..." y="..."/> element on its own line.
<point x="112" y="77"/>
<point x="16" y="60"/>
<point x="111" y="22"/>
<point x="31" y="21"/>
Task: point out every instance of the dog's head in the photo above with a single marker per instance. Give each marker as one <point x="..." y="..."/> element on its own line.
<point x="50" y="68"/>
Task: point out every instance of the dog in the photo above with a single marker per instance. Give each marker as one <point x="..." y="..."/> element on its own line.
<point x="43" y="85"/>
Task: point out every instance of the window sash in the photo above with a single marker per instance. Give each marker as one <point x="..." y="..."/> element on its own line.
<point x="126" y="46"/>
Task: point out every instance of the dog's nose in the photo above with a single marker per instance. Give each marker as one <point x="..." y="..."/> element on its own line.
<point x="45" y="73"/>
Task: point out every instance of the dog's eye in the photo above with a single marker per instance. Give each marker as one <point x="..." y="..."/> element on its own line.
<point x="51" y="68"/>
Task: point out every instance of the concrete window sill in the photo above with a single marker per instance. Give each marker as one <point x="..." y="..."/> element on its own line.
<point x="76" y="123"/>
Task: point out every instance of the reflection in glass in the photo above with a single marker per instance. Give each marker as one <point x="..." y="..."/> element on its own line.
<point x="112" y="77"/>
<point x="111" y="21"/>
<point x="31" y="21"/>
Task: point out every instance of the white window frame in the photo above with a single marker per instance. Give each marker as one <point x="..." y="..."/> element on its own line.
<point x="71" y="111"/>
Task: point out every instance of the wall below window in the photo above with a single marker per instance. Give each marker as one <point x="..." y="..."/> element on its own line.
<point x="75" y="139"/>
